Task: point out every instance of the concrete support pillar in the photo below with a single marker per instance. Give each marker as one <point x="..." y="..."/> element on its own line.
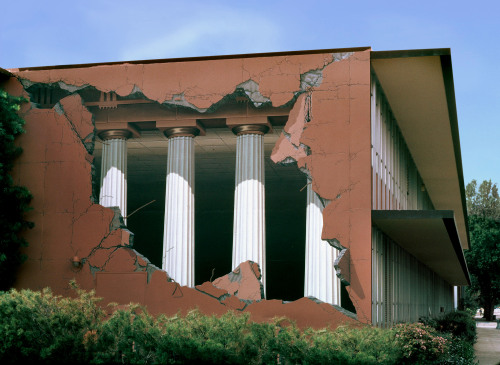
<point x="178" y="234"/>
<point x="321" y="281"/>
<point x="249" y="231"/>
<point x="113" y="192"/>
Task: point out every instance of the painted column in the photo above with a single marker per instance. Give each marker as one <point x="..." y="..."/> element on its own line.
<point x="113" y="191"/>
<point x="178" y="233"/>
<point x="249" y="231"/>
<point x="321" y="280"/>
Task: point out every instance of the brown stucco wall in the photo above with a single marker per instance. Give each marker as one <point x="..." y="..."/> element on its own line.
<point x="338" y="135"/>
<point x="331" y="117"/>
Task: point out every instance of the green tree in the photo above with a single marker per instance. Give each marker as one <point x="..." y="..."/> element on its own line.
<point x="14" y="200"/>
<point x="483" y="257"/>
<point x="484" y="201"/>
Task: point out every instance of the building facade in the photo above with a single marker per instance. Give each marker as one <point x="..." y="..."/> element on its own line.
<point x="337" y="172"/>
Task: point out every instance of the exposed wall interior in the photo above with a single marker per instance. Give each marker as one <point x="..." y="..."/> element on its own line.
<point x="215" y="155"/>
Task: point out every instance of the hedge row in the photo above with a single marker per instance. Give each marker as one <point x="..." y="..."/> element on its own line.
<point x="43" y="328"/>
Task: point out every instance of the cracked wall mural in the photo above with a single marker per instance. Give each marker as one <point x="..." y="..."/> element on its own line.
<point x="323" y="101"/>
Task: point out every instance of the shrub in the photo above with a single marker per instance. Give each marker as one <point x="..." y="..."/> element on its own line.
<point x="460" y="352"/>
<point x="420" y="344"/>
<point x="44" y="328"/>
<point x="459" y="328"/>
<point x="128" y="336"/>
<point x="201" y="339"/>
<point x="458" y="323"/>
<point x="349" y="345"/>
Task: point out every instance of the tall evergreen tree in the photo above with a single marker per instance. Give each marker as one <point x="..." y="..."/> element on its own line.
<point x="483" y="257"/>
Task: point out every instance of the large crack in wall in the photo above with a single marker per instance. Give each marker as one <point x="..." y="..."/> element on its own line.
<point x="289" y="150"/>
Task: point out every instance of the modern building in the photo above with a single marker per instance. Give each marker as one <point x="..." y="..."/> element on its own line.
<point x="337" y="171"/>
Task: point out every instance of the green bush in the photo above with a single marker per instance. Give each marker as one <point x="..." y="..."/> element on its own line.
<point x="459" y="328"/>
<point x="459" y="352"/>
<point x="42" y="328"/>
<point x="127" y="336"/>
<point x="347" y="345"/>
<point x="421" y="344"/>
<point x="460" y="324"/>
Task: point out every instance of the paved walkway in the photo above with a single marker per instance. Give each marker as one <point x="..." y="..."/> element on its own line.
<point x="487" y="347"/>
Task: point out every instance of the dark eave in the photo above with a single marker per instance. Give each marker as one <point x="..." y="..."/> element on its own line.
<point x="419" y="87"/>
<point x="429" y="235"/>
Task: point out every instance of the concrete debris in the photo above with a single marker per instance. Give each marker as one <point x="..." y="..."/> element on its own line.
<point x="243" y="282"/>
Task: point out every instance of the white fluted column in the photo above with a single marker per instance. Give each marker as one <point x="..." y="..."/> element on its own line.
<point x="321" y="281"/>
<point x="249" y="230"/>
<point x="178" y="233"/>
<point x="113" y="192"/>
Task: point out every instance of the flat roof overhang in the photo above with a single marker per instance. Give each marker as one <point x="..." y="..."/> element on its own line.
<point x="429" y="235"/>
<point x="419" y="87"/>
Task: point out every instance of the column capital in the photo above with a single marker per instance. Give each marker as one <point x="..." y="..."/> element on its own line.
<point x="257" y="124"/>
<point x="181" y="132"/>
<point x="250" y="129"/>
<point x="115" y="134"/>
<point x="180" y="127"/>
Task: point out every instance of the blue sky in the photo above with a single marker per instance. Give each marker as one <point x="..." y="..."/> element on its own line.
<point x="43" y="33"/>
